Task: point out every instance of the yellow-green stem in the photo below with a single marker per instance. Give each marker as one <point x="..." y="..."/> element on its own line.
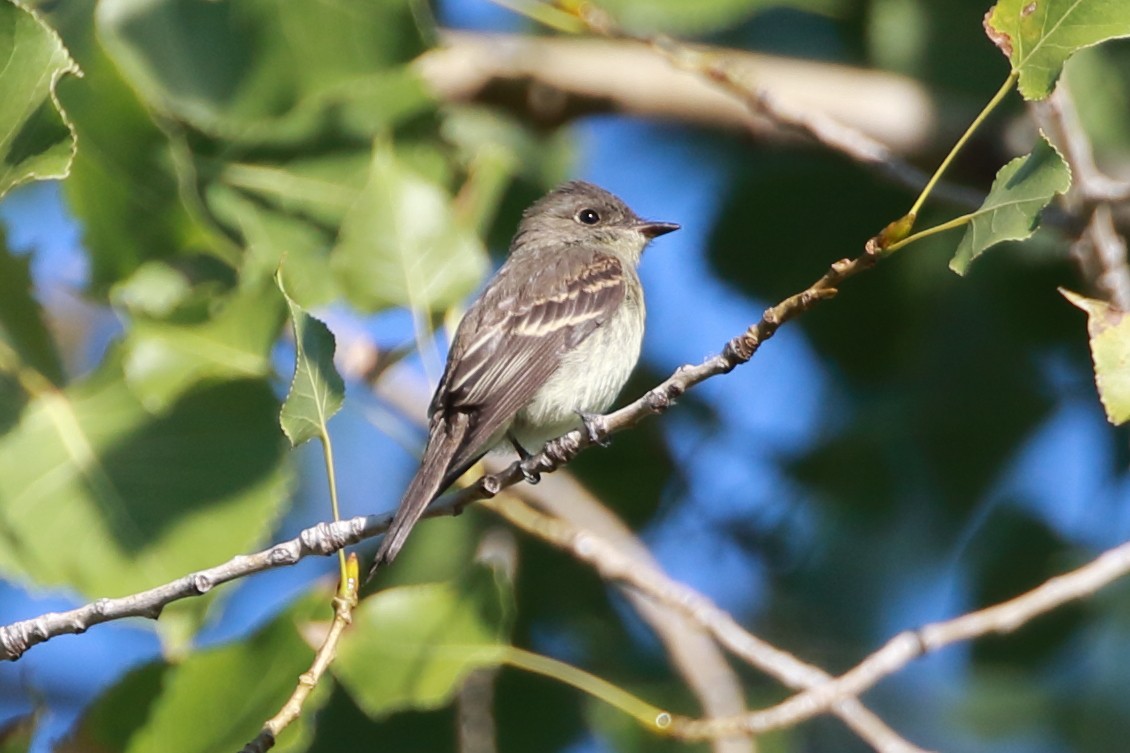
<point x="956" y="222"/>
<point x="1006" y="87"/>
<point x="331" y="478"/>
<point x="650" y="716"/>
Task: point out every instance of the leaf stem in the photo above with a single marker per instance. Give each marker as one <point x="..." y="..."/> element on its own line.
<point x="331" y="479"/>
<point x="956" y="222"/>
<point x="1006" y="87"/>
<point x="652" y="717"/>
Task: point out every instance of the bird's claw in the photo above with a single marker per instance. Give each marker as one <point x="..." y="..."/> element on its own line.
<point x="532" y="477"/>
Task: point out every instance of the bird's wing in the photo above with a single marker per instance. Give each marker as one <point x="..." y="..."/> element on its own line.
<point x="516" y="336"/>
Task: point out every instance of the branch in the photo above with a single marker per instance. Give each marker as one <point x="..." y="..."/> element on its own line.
<point x="327" y="538"/>
<point x="343" y="603"/>
<point x="613" y="565"/>
<point x="692" y="652"/>
<point x="823" y="694"/>
<point x="907" y="646"/>
<point x="551" y="80"/>
<point x="1100" y="249"/>
<point x="323" y="539"/>
<point x="837" y="131"/>
<point x="1101" y="254"/>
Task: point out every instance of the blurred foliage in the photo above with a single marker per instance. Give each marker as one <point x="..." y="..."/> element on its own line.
<point x="220" y="143"/>
<point x="426" y="639"/>
<point x="235" y="688"/>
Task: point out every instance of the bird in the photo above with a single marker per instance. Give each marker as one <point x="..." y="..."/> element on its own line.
<point x="549" y="342"/>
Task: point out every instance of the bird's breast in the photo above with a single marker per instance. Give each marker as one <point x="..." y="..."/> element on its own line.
<point x="588" y="379"/>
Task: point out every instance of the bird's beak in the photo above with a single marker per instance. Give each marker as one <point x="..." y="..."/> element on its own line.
<point x="655" y="229"/>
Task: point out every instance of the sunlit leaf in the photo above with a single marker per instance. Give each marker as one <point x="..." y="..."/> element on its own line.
<point x="124" y="185"/>
<point x="139" y="500"/>
<point x="1011" y="211"/>
<point x="159" y="707"/>
<point x="1038" y="36"/>
<point x="316" y="390"/>
<point x="163" y="359"/>
<point x="36" y="140"/>
<point x="412" y="646"/>
<point x="402" y="245"/>
<point x="273" y="70"/>
<point x="1109" y="331"/>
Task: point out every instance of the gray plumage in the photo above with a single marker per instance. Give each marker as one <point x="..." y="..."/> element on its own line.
<point x="554" y="334"/>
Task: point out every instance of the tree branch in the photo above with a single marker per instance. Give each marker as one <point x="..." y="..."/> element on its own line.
<point x="344" y="602"/>
<point x="551" y="80"/>
<point x="692" y="652"/>
<point x="323" y="539"/>
<point x="327" y="538"/>
<point x="1100" y="249"/>
<point x="907" y="646"/>
<point x="613" y="565"/>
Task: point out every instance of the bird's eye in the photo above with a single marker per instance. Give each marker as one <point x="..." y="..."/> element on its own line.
<point x="588" y="217"/>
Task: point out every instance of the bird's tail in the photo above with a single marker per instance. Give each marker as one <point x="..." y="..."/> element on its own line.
<point x="444" y="443"/>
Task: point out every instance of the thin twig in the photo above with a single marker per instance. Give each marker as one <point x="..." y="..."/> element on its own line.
<point x="907" y="646"/>
<point x="344" y="602"/>
<point x="824" y="694"/>
<point x="719" y="68"/>
<point x="322" y="539"/>
<point x="692" y="652"/>
<point x="1100" y="249"/>
<point x="614" y="566"/>
<point x="327" y="538"/>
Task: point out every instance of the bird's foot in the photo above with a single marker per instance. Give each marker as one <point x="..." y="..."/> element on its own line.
<point x="531" y="476"/>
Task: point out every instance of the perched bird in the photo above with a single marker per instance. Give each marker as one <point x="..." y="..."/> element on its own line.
<point x="551" y="339"/>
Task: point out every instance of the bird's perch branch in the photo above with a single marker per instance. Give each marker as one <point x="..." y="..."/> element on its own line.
<point x="327" y="538"/>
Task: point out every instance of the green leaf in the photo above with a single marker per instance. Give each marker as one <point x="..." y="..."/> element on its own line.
<point x="124" y="185"/>
<point x="317" y="390"/>
<point x="163" y="359"/>
<point x="36" y="140"/>
<point x="411" y="647"/>
<point x="402" y="245"/>
<point x="1038" y="36"/>
<point x="322" y="187"/>
<point x="273" y="235"/>
<point x="156" y="290"/>
<point x="21" y="318"/>
<point x="139" y="500"/>
<point x="235" y="688"/>
<point x="274" y="70"/>
<point x="1109" y="331"/>
<point x="1011" y="211"/>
